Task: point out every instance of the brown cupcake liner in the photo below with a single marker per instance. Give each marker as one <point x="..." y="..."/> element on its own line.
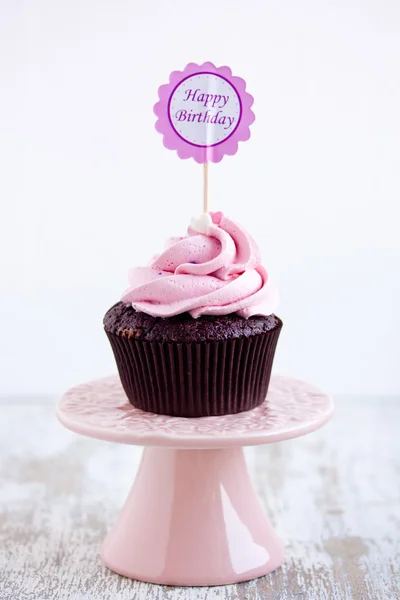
<point x="199" y="379"/>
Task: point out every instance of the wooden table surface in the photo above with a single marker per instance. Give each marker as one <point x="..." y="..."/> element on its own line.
<point x="334" y="496"/>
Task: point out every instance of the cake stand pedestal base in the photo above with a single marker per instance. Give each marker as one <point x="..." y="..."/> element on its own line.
<point x="192" y="518"/>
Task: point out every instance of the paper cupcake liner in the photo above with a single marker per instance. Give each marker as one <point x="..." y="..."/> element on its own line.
<point x="196" y="380"/>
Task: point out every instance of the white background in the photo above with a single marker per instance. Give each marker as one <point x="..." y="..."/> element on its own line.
<point x="87" y="189"/>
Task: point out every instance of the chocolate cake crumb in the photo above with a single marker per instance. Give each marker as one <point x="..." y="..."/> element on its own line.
<point x="125" y="321"/>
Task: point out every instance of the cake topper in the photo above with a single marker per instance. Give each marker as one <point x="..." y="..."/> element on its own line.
<point x="203" y="112"/>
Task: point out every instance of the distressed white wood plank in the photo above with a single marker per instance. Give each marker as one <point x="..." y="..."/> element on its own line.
<point x="334" y="496"/>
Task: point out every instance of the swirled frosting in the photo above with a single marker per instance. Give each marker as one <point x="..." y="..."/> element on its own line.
<point x="214" y="270"/>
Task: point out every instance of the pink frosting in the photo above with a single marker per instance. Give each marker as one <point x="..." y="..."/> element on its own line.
<point x="217" y="272"/>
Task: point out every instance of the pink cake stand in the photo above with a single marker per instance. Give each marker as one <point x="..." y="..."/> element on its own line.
<point x="192" y="516"/>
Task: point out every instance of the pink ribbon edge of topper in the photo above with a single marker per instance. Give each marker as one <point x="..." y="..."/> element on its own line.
<point x="214" y="153"/>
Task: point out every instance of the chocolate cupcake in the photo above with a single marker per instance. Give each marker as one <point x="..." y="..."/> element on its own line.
<point x="195" y="334"/>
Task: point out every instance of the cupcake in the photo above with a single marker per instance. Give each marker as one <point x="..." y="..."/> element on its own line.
<point x="195" y="333"/>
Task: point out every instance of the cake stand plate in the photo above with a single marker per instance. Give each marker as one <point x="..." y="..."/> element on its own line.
<point x="192" y="516"/>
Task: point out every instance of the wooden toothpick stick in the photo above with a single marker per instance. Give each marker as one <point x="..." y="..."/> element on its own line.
<point x="205" y="187"/>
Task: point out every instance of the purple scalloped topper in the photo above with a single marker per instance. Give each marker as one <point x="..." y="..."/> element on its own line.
<point x="203" y="112"/>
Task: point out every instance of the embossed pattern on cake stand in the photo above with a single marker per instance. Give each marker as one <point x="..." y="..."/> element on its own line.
<point x="192" y="516"/>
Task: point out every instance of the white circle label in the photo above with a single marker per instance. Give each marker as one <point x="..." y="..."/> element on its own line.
<point x="204" y="109"/>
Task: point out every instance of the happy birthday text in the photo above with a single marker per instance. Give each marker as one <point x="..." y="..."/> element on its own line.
<point x="209" y="101"/>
